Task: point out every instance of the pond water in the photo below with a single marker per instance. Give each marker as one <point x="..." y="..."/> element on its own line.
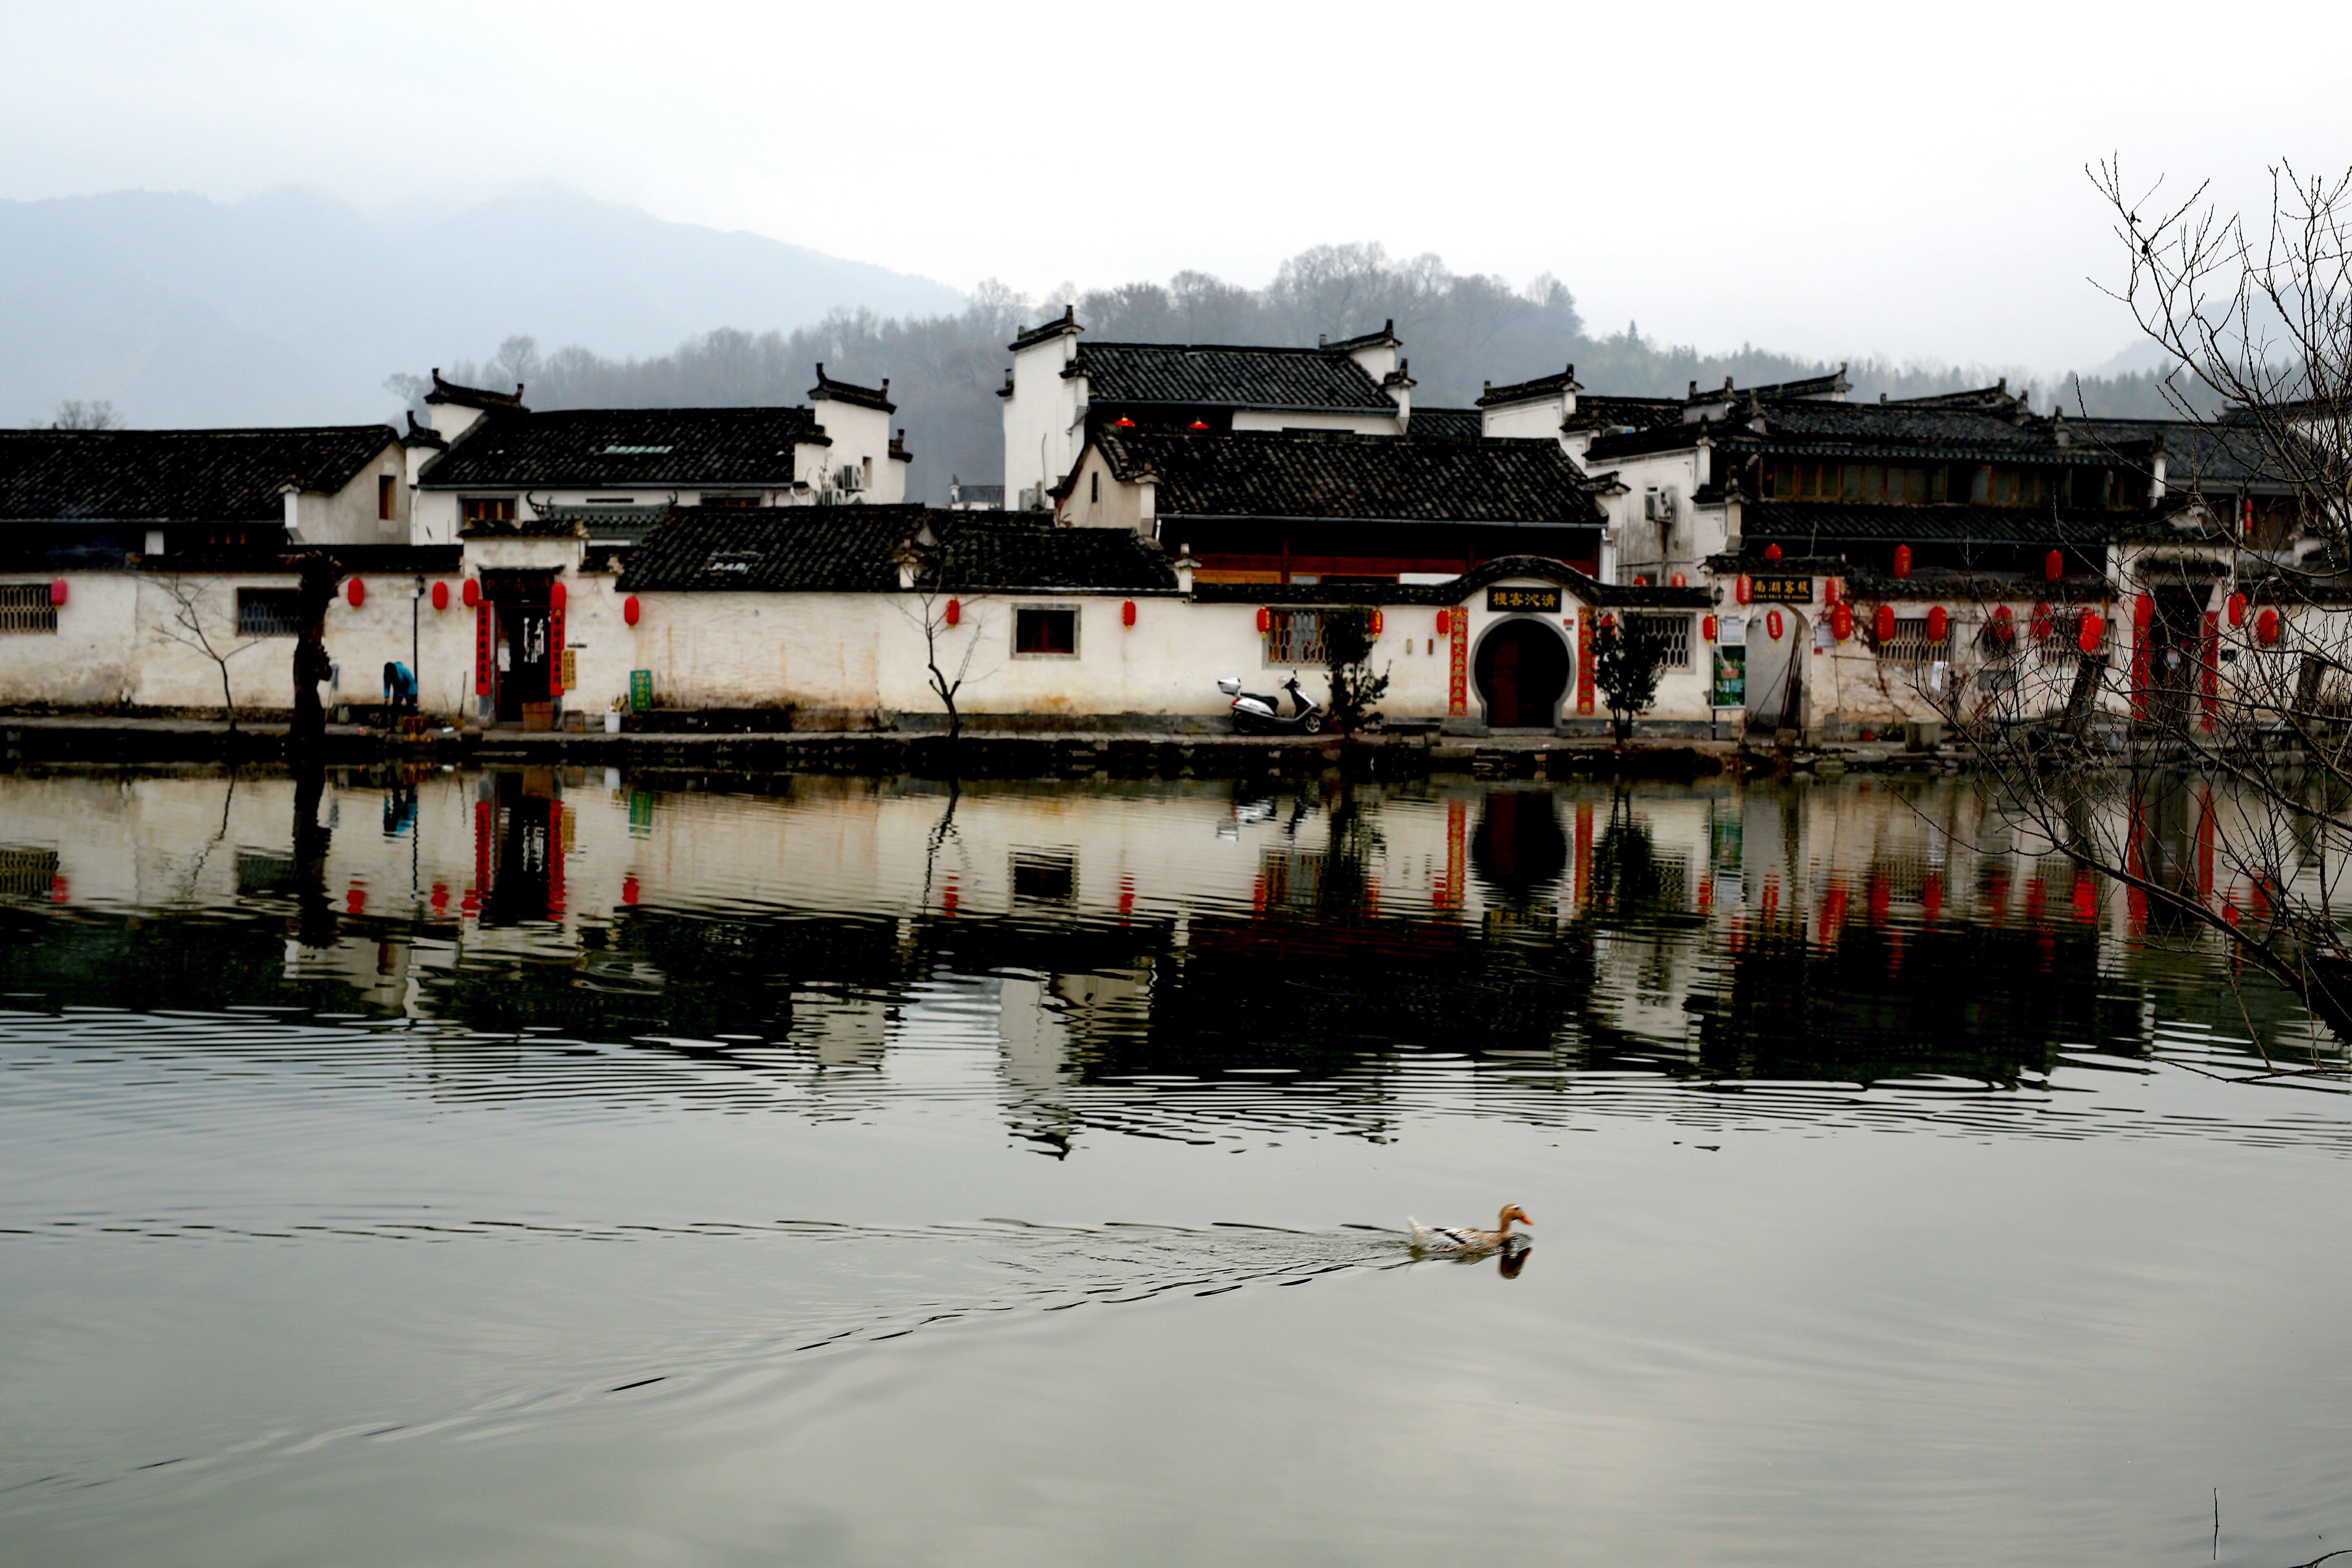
<point x="562" y="1168"/>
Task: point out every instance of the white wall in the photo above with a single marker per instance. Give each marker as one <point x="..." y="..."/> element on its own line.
<point x="1356" y="423"/>
<point x="348" y="516"/>
<point x="1041" y="418"/>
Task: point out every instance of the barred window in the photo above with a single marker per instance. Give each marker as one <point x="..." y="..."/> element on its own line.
<point x="269" y="611"/>
<point x="26" y="607"/>
<point x="1911" y="643"/>
<point x="1671" y="633"/>
<point x="487" y="509"/>
<point x="1294" y="636"/>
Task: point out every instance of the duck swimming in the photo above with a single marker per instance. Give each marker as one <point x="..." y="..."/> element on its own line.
<point x="1463" y="1238"/>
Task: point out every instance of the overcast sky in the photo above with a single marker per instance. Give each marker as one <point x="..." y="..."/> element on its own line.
<point x="1893" y="179"/>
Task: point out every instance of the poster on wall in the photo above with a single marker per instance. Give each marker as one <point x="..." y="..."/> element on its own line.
<point x="1731" y="677"/>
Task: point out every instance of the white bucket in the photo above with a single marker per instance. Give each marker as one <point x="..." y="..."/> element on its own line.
<point x="611" y="723"/>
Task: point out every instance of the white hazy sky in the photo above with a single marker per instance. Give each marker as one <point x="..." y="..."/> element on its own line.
<point x="1840" y="180"/>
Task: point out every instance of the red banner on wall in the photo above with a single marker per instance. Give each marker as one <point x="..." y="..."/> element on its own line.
<point x="1584" y="663"/>
<point x="482" y="650"/>
<point x="1457" y="693"/>
<point x="2209" y="657"/>
<point x="555" y="651"/>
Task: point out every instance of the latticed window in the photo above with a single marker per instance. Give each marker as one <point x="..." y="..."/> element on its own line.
<point x="1294" y="636"/>
<point x="487" y="509"/>
<point x="1670" y="632"/>
<point x="269" y="611"/>
<point x="26" y="607"/>
<point x="1911" y="643"/>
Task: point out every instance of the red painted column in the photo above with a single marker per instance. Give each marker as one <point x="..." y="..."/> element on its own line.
<point x="2209" y="659"/>
<point x="1585" y="662"/>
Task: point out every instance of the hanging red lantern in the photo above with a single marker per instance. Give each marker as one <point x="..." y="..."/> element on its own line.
<point x="1841" y="621"/>
<point x="2004" y="627"/>
<point x="1903" y="560"/>
<point x="2237" y="609"/>
<point x="440" y="597"/>
<point x="356" y="593"/>
<point x="1707" y="628"/>
<point x="1883" y="623"/>
<point x="58" y="594"/>
<point x="1198" y="424"/>
<point x="1444" y="623"/>
<point x="1265" y="619"/>
<point x="1122" y="422"/>
<point x="1380" y="620"/>
<point x="1771" y="553"/>
<point x="1741" y="590"/>
<point x="2143" y="610"/>
<point x="2053" y="566"/>
<point x="2266" y="628"/>
<point x="472" y="592"/>
<point x="955" y="612"/>
<point x="557" y="595"/>
<point x="1641" y="580"/>
<point x="1939" y="623"/>
<point x="2095" y="631"/>
<point x="1126" y="613"/>
<point x="2041" y="623"/>
<point x="631" y="610"/>
<point x="1679" y="580"/>
<point x="1831" y="590"/>
<point x="1772" y="626"/>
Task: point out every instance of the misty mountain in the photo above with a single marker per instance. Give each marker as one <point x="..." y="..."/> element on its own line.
<point x="292" y="307"/>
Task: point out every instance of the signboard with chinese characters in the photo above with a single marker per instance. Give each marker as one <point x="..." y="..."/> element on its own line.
<point x="1542" y="601"/>
<point x="1731" y="677"/>
<point x="1782" y="588"/>
<point x="641" y="689"/>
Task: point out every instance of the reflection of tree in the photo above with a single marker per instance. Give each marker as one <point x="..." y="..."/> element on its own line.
<point x="315" y="924"/>
<point x="1625" y="880"/>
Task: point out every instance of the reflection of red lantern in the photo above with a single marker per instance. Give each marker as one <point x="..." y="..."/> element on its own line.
<point x="2053" y="566"/>
<point x="1939" y="623"/>
<point x="1265" y="619"/>
<point x="1380" y="621"/>
<point x="2237" y="609"/>
<point x="2095" y="628"/>
<point x="440" y="597"/>
<point x="2143" y="610"/>
<point x="58" y="594"/>
<point x="1772" y="626"/>
<point x="2266" y="628"/>
<point x="1771" y="553"/>
<point x="955" y="612"/>
<point x="2041" y="623"/>
<point x="1126" y="613"/>
<point x="1707" y="628"/>
<point x="2004" y="628"/>
<point x="1903" y="560"/>
<point x="1883" y="623"/>
<point x="472" y="592"/>
<point x="1841" y="621"/>
<point x="1445" y="621"/>
<point x="1741" y="590"/>
<point x="631" y="610"/>
<point x="356" y="593"/>
<point x="556" y="596"/>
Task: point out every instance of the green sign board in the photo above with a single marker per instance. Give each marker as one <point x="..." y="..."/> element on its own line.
<point x="1731" y="677"/>
<point x="641" y="689"/>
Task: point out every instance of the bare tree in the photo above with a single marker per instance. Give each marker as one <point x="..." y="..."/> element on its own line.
<point x="945" y="667"/>
<point x="195" y="621"/>
<point x="73" y="414"/>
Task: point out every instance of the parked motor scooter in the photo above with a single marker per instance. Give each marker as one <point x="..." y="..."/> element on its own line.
<point x="1255" y="713"/>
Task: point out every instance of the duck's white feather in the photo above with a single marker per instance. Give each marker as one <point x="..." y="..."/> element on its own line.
<point x="1445" y="1238"/>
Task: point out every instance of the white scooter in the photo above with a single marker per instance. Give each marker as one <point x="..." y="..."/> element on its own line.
<point x="1255" y="713"/>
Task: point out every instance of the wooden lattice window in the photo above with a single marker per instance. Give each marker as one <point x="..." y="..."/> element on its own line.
<point x="1294" y="636"/>
<point x="26" y="608"/>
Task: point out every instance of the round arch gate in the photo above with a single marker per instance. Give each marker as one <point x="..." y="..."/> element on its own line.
<point x="1523" y="667"/>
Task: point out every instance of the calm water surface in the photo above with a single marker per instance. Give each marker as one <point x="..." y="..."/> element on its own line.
<point x="560" y="1168"/>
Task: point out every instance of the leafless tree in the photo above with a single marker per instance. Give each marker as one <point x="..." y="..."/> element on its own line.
<point x="946" y="666"/>
<point x="196" y="621"/>
<point x="73" y="414"/>
<point x="2200" y="753"/>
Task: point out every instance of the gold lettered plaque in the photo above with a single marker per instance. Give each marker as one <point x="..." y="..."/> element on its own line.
<point x="1782" y="588"/>
<point x="1542" y="601"/>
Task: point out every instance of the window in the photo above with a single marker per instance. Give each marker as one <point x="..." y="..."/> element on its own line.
<point x="27" y="873"/>
<point x="1094" y="486"/>
<point x="1045" y="631"/>
<point x="487" y="509"/>
<point x="1911" y="645"/>
<point x="729" y="500"/>
<point x="1670" y="632"/>
<point x="269" y="611"/>
<point x="386" y="490"/>
<point x="1294" y="636"/>
<point x="1042" y="877"/>
<point x="26" y="607"/>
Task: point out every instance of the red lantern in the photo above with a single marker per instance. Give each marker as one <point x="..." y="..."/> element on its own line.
<point x="1831" y="590"/>
<point x="1265" y="619"/>
<point x="2041" y="623"/>
<point x="2143" y="610"/>
<point x="1841" y="621"/>
<point x="1741" y="590"/>
<point x="1883" y="623"/>
<point x="2053" y="566"/>
<point x="1707" y="628"/>
<point x="556" y="596"/>
<point x="58" y="594"/>
<point x="1641" y="580"/>
<point x="2266" y="628"/>
<point x="2094" y="631"/>
<point x="440" y="597"/>
<point x="472" y="592"/>
<point x="1444" y="623"/>
<point x="1772" y="626"/>
<point x="2004" y="628"/>
<point x="1771" y="553"/>
<point x="1903" y="560"/>
<point x="1380" y="620"/>
<point x="2237" y="609"/>
<point x="631" y="610"/>
<point x="955" y="612"/>
<point x="1198" y="424"/>
<point x="1122" y="422"/>
<point x="1126" y="613"/>
<point x="356" y="593"/>
<point x="1939" y="623"/>
<point x="1679" y="580"/>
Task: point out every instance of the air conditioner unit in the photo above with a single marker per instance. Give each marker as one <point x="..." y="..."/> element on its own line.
<point x="851" y="478"/>
<point x="1658" y="505"/>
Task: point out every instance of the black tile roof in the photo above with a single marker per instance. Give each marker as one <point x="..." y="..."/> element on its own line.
<point x="2223" y="455"/>
<point x="177" y="476"/>
<point x="472" y="396"/>
<point x="355" y="559"/>
<point x="1614" y="596"/>
<point x="609" y="524"/>
<point x="1916" y="431"/>
<point x="596" y="447"/>
<point x="846" y="392"/>
<point x="1808" y="524"/>
<point x="1605" y="413"/>
<point x="856" y="550"/>
<point x="1519" y="391"/>
<point x="1215" y="375"/>
<point x="1370" y="477"/>
<point x="1053" y="327"/>
<point x="1446" y="424"/>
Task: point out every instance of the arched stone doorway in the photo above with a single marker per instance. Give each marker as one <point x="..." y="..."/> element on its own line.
<point x="1523" y="667"/>
<point x="1776" y="669"/>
